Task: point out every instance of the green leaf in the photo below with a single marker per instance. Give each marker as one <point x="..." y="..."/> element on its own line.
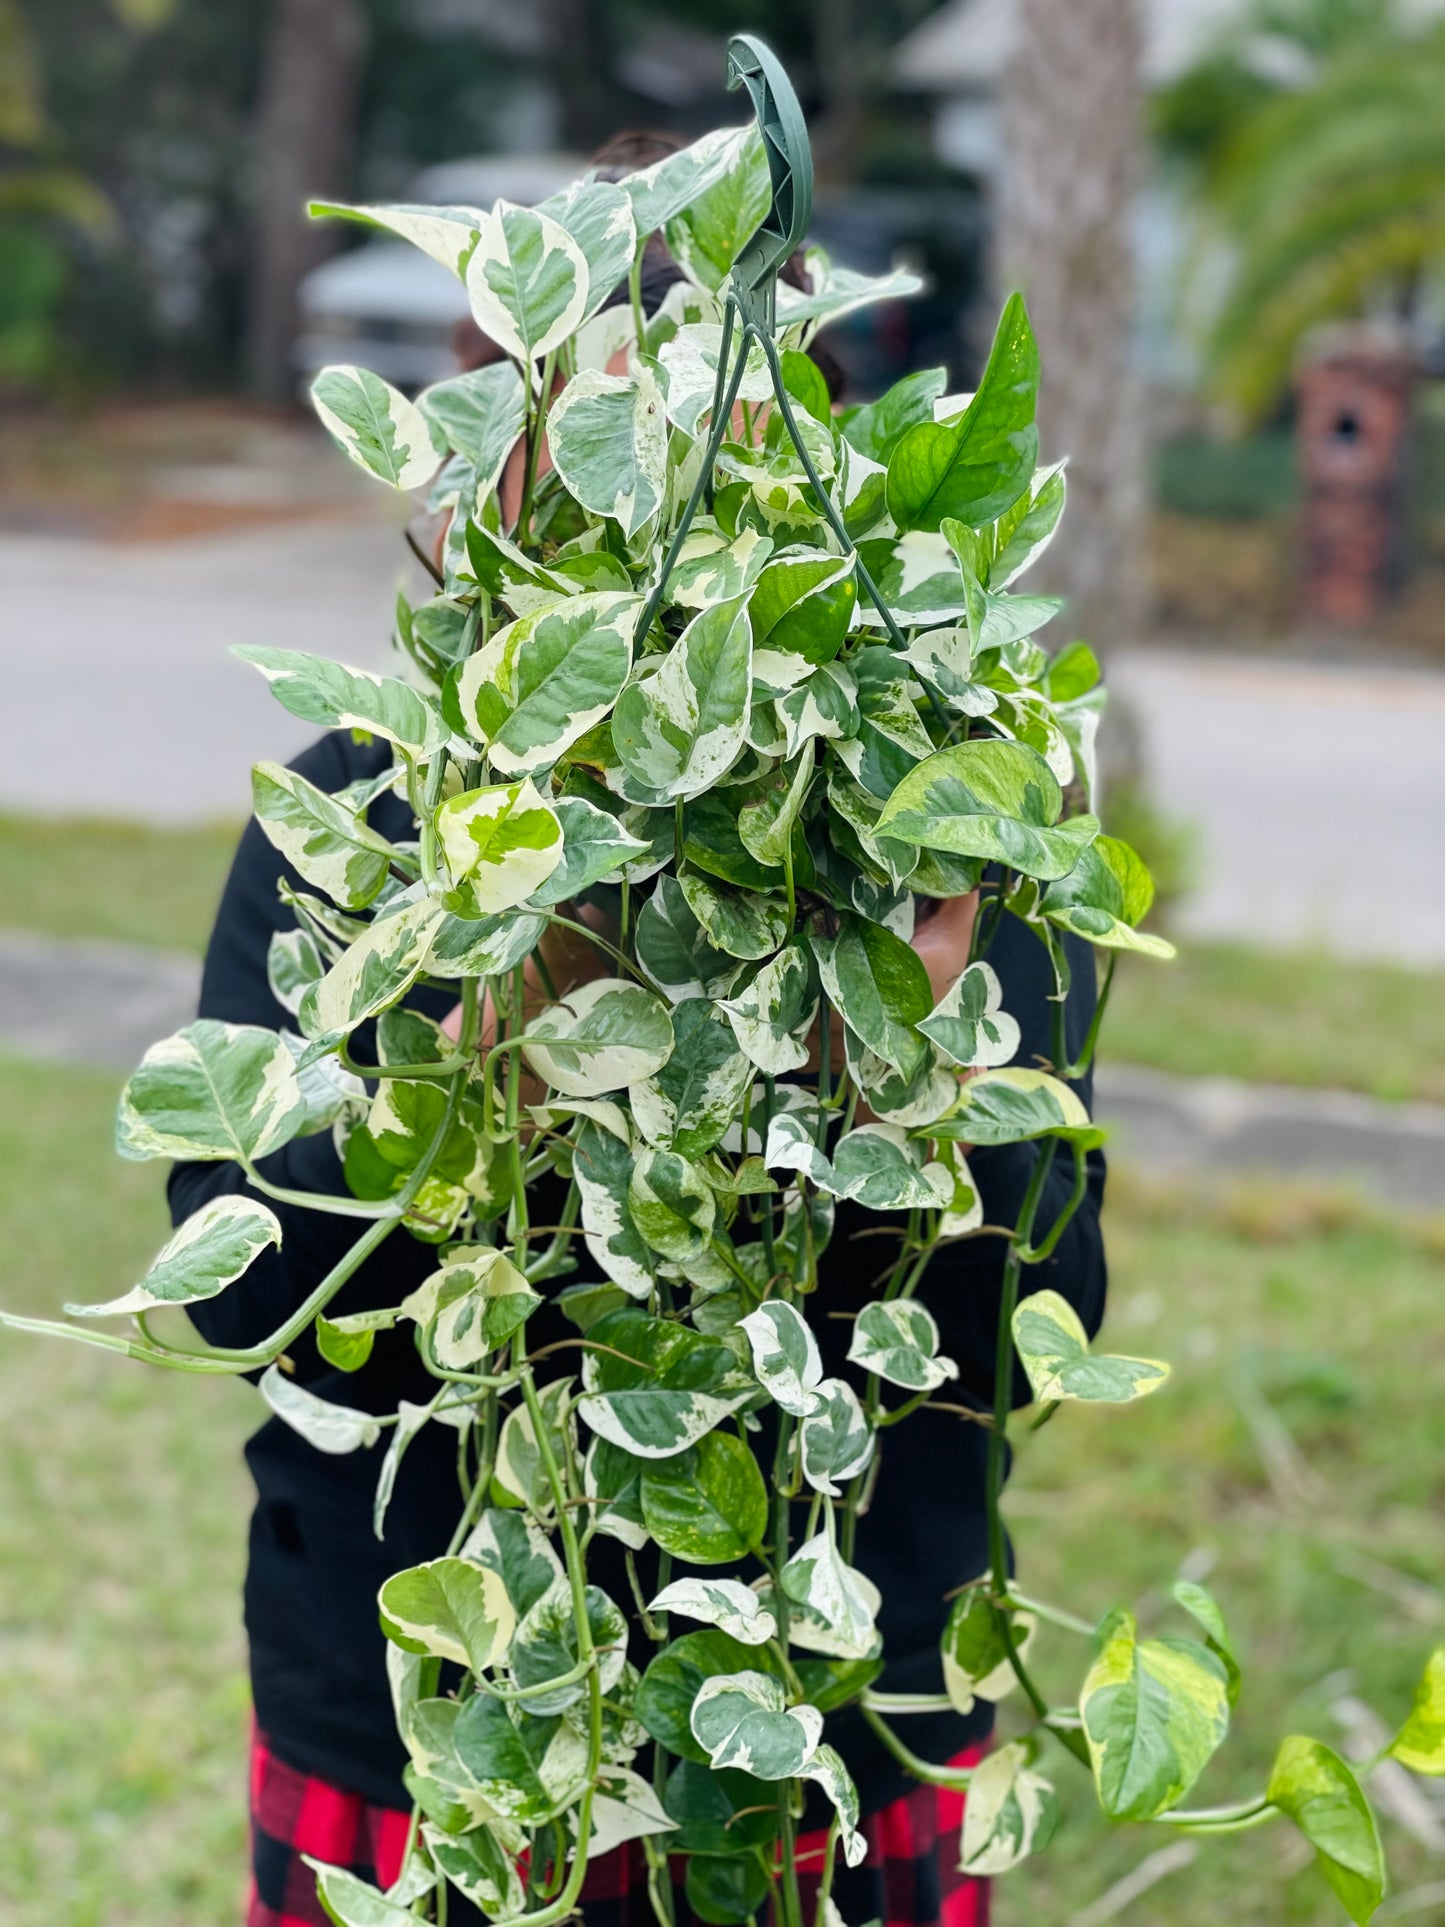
<point x="377" y="970"/>
<point x="785" y="1356"/>
<point x="518" y="1551"/>
<point x="599" y="1037"/>
<point x="328" y="843"/>
<point x="1024" y="531"/>
<point x="876" y="428"/>
<point x="1010" y="1813"/>
<point x="724" y="1891"/>
<point x="836" y="1438"/>
<point x="976" y="1663"/>
<point x="487" y="946"/>
<point x="839" y="291"/>
<point x="1055" y="1351"/>
<point x="768" y="820"/>
<point x="668" y="1387"/>
<point x="690" y="363"/>
<point x="625" y="1807"/>
<point x="743" y="924"/>
<point x="607" y="435"/>
<point x="827" y="1769"/>
<point x="968" y="1025"/>
<point x="803" y="606"/>
<point x="471" y="1306"/>
<point x="598" y="216"/>
<point x="545" y="679"/>
<point x="688" y="1105"/>
<point x="447" y="234"/>
<point x="772" y="1014"/>
<point x="595" y="844"/>
<point x="293" y="963"/>
<point x="347" y="1343"/>
<point x="479" y="1866"/>
<point x="527" y="1769"/>
<point x="1154" y="1710"/>
<point x="376" y="425"/>
<point x="1013" y="1105"/>
<point x="528" y="281"/>
<point x="836" y="1605"/>
<point x="673" y="1680"/>
<point x="355" y="1903"/>
<point x="612" y="1478"/>
<point x="917" y="576"/>
<point x="742" y="1720"/>
<point x="879" y="1167"/>
<point x="1420" y="1742"/>
<point x="672" y="1205"/>
<point x="707" y="1505"/>
<point x="684" y="725"/>
<point x="212" y="1091"/>
<point x="500" y="844"/>
<point x="1312" y="1784"/>
<point x="717" y="1813"/>
<point x="725" y="1603"/>
<point x="211" y="1250"/>
<point x="711" y="568"/>
<point x="1107" y="892"/>
<point x="330" y="1428"/>
<point x="991" y="799"/>
<point x="975" y="468"/>
<point x="898" y="1339"/>
<point x="334" y="697"/>
<point x="450" y="1609"/>
<point x="544" y="1646"/>
<point x="521" y="1477"/>
<point x="481" y="415"/>
<point x="707" y="234"/>
<point x="1201" y="1607"/>
<point x="602" y="1166"/>
<point x="663" y="190"/>
<point x="879" y="985"/>
<point x="673" y="948"/>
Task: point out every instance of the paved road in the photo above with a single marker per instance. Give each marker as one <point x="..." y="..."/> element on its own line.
<point x="1317" y="793"/>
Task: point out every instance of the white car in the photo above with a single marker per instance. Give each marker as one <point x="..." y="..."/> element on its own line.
<point x="387" y="306"/>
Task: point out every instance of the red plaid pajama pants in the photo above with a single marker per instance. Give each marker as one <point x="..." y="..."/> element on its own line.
<point x="909" y="1879"/>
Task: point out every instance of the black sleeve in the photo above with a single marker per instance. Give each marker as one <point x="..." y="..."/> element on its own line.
<point x="963" y="1283"/>
<point x="235" y="989"/>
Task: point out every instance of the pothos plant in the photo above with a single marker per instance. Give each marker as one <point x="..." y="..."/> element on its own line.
<point x="761" y="668"/>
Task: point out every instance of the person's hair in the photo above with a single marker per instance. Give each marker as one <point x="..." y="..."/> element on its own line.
<point x="614" y="160"/>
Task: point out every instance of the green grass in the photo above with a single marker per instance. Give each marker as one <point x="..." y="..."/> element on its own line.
<point x="123" y="1500"/>
<point x="1282" y="1017"/>
<point x="81" y="877"/>
<point x="1306" y="1338"/>
<point x="123" y="1505"/>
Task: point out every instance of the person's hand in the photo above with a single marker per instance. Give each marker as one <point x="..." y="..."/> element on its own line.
<point x="942" y="933"/>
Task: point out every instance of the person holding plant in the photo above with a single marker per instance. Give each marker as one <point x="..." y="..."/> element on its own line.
<point x="328" y="1776"/>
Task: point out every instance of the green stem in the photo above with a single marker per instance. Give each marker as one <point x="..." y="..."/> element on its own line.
<point x="954" y="1777"/>
<point x="1091" y="1037"/>
<point x="1002" y="1406"/>
<point x="1036" y="1254"/>
<point x="1052" y="1615"/>
<point x="536" y="429"/>
<point x="634" y="292"/>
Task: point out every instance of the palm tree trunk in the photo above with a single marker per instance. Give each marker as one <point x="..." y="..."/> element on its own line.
<point x="305" y="130"/>
<point x="1071" y="139"/>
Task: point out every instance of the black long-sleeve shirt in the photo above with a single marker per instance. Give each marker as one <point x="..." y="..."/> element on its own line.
<point x="317" y="1653"/>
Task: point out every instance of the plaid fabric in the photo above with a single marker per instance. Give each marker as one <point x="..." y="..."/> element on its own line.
<point x="909" y="1879"/>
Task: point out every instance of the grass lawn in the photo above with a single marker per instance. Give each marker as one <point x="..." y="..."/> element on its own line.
<point x="1218" y="1010"/>
<point x="123" y="1504"/>
<point x="121" y="881"/>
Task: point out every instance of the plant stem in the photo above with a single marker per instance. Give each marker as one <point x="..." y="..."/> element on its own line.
<point x="954" y="1777"/>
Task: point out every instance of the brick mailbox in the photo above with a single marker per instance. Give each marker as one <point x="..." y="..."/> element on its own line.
<point x="1352" y="432"/>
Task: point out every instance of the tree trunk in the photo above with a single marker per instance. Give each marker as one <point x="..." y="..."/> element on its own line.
<point x="1071" y="146"/>
<point x="305" y="131"/>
